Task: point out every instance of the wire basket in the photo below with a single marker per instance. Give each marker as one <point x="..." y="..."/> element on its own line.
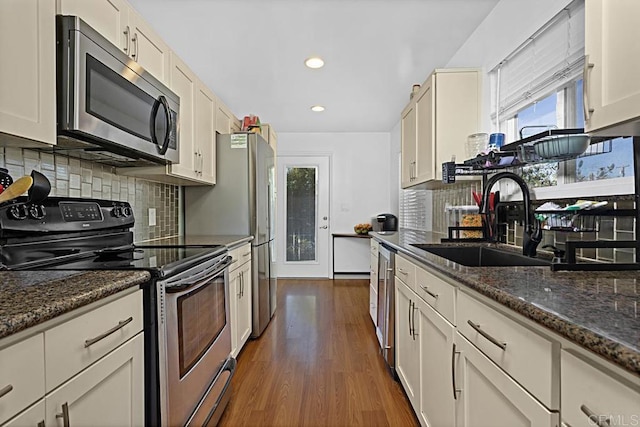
<point x="569" y="221"/>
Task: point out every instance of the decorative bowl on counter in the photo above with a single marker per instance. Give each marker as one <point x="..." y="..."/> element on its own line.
<point x="362" y="228"/>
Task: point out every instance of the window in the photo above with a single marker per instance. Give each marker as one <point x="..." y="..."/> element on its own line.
<point x="540" y="86"/>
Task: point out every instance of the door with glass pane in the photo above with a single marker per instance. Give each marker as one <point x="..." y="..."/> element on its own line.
<point x="303" y="216"/>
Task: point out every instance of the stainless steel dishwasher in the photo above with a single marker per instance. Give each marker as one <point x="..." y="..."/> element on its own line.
<point x="386" y="306"/>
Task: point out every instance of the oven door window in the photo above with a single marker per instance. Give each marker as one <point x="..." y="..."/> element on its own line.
<point x="201" y="318"/>
<point x="114" y="99"/>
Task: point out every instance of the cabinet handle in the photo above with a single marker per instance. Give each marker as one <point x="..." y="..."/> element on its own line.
<point x="453" y="371"/>
<point x="586" y="83"/>
<point x="413" y="322"/>
<point x="247" y="254"/>
<point x="121" y="324"/>
<point x="6" y="390"/>
<point x="64" y="415"/>
<point x="126" y="35"/>
<point x="401" y="271"/>
<point x="426" y="289"/>
<point x="476" y="327"/>
<point x="410" y="304"/>
<point x="599" y="420"/>
<point x="134" y="41"/>
<point x="242" y="285"/>
<point x="41" y="424"/>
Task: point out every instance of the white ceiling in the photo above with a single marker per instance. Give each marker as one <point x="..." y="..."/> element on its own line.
<point x="251" y="53"/>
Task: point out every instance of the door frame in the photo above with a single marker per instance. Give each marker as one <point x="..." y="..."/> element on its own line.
<point x="281" y="211"/>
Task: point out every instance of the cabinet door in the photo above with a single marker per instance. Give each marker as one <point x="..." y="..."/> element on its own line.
<point x="224" y="119"/>
<point x="108" y="393"/>
<point x="591" y="397"/>
<point x="437" y="402"/>
<point x="183" y="83"/>
<point x="489" y="397"/>
<point x="424" y="166"/>
<point x="27" y="69"/>
<point x="148" y="49"/>
<point x="205" y="131"/>
<point x="244" y="306"/>
<point x="373" y="304"/>
<point x="34" y="416"/>
<point x="234" y="297"/>
<point x="408" y="146"/>
<point x="108" y="17"/>
<point x="407" y="343"/>
<point x="611" y="86"/>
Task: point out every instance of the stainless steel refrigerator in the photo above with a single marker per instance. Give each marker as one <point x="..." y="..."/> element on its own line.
<point x="242" y="202"/>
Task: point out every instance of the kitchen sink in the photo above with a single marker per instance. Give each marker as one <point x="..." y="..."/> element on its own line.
<point x="482" y="256"/>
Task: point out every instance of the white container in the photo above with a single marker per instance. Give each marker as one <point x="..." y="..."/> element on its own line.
<point x="476" y="144"/>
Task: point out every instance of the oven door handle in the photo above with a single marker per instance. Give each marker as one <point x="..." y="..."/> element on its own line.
<point x="187" y="286"/>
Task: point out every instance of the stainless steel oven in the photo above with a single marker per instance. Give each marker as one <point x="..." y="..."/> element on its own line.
<point x="107" y="99"/>
<point x="194" y="340"/>
<point x="386" y="306"/>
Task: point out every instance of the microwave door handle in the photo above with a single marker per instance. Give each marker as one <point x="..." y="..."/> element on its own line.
<point x="162" y="149"/>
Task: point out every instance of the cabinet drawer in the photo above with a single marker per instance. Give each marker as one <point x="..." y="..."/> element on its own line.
<point x="406" y="271"/>
<point x="21" y="376"/>
<point x="74" y="345"/>
<point x="519" y="351"/>
<point x="240" y="255"/>
<point x="587" y="390"/>
<point x="438" y="293"/>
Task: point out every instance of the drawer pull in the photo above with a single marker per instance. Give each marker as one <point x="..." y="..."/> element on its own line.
<point x="426" y="289"/>
<point x="476" y="327"/>
<point x="401" y="271"/>
<point x="599" y="420"/>
<point x="6" y="390"/>
<point x="121" y="324"/>
<point x="247" y="254"/>
<point x="41" y="424"/>
<point x="64" y="415"/>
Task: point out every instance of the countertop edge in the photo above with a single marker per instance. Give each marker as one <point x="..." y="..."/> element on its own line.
<point x="50" y="302"/>
<point x="613" y="351"/>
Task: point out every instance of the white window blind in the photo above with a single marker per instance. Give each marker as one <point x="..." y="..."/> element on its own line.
<point x="543" y="63"/>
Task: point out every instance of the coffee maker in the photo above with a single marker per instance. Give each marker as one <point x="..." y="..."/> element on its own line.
<point x="384" y="222"/>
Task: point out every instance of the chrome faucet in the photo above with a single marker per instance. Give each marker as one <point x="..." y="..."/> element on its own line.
<point x="532" y="227"/>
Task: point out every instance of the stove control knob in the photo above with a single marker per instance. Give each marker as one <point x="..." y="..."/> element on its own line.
<point x="37" y="211"/>
<point x="18" y="212"/>
<point x="116" y="212"/>
<point x="126" y="211"/>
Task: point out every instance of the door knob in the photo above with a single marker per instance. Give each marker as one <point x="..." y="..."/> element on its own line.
<point x="324" y="227"/>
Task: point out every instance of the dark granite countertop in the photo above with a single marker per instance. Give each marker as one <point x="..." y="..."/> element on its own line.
<point x="28" y="298"/>
<point x="596" y="310"/>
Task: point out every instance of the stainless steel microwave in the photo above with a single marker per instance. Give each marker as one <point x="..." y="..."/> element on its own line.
<point x="109" y="101"/>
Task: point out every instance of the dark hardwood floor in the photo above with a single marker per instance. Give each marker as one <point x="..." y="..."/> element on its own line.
<point x="317" y="364"/>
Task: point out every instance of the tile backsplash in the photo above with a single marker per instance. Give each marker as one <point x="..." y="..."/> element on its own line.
<point x="608" y="228"/>
<point x="72" y="177"/>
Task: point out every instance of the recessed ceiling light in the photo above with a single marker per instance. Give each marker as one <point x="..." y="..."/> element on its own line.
<point x="317" y="108"/>
<point x="314" y="62"/>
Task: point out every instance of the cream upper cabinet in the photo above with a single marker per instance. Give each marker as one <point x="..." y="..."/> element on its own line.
<point x="224" y="119"/>
<point x="611" y="83"/>
<point x="117" y="21"/>
<point x="436" y="123"/>
<point x="205" y="134"/>
<point x="183" y="82"/>
<point x="270" y="136"/>
<point x="28" y="93"/>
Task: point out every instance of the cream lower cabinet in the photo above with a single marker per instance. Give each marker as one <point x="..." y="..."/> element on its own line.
<point x="408" y="335"/>
<point x="87" y="369"/>
<point x="28" y="93"/>
<point x="108" y="393"/>
<point x="611" y="84"/>
<point x="591" y="397"/>
<point x="487" y="397"/>
<point x="240" y="291"/>
<point x="373" y="283"/>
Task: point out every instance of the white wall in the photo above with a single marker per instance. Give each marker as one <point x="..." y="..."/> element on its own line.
<point x="360" y="186"/>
